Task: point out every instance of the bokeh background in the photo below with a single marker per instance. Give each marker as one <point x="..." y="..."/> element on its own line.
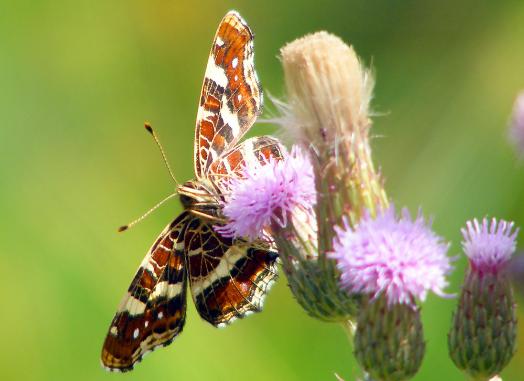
<point x="79" y="78"/>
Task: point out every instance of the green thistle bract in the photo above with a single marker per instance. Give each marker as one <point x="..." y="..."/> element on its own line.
<point x="389" y="340"/>
<point x="482" y="339"/>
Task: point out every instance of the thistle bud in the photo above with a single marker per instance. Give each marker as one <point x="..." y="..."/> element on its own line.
<point x="389" y="340"/>
<point x="482" y="338"/>
<point x="328" y="94"/>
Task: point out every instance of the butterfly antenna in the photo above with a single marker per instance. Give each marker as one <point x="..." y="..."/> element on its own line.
<point x="133" y="223"/>
<point x="162" y="152"/>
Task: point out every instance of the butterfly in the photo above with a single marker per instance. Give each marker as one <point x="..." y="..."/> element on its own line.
<point x="227" y="278"/>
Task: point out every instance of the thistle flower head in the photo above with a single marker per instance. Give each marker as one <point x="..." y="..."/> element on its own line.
<point x="267" y="193"/>
<point x="400" y="257"/>
<point x="482" y="338"/>
<point x="489" y="246"/>
<point x="516" y="131"/>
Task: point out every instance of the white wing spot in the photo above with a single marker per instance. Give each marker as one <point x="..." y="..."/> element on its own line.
<point x="160" y="315"/>
<point x="234" y="63"/>
<point x="135" y="333"/>
<point x="216" y="73"/>
<point x="236" y="77"/>
<point x="219" y="41"/>
<point x="146" y="323"/>
<point x="114" y="330"/>
<point x="239" y="97"/>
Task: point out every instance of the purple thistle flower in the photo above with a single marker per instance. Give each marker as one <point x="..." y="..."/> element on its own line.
<point x="267" y="193"/>
<point x="517" y="124"/>
<point x="486" y="311"/>
<point x="402" y="258"/>
<point x="489" y="246"/>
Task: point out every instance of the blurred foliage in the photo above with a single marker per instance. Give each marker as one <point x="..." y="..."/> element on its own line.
<point x="77" y="80"/>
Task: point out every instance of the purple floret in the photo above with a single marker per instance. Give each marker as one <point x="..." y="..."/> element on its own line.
<point x="489" y="246"/>
<point x="400" y="257"/>
<point x="267" y="194"/>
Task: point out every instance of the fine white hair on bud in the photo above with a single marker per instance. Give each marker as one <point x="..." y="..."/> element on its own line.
<point x="329" y="95"/>
<point x="327" y="112"/>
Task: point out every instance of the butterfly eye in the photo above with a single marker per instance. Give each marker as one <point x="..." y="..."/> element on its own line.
<point x="186" y="201"/>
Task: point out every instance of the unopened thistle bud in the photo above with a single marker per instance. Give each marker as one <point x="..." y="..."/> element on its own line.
<point x="482" y="337"/>
<point x="328" y="94"/>
<point x="393" y="261"/>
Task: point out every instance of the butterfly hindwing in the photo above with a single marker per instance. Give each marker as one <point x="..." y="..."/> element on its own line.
<point x="228" y="278"/>
<point x="231" y="96"/>
<point x="153" y="311"/>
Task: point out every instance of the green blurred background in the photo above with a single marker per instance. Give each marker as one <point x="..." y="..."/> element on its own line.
<point x="78" y="79"/>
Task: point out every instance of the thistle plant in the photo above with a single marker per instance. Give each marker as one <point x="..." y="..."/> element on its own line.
<point x="482" y="339"/>
<point x="393" y="261"/>
<point x="348" y="257"/>
<point x="327" y="115"/>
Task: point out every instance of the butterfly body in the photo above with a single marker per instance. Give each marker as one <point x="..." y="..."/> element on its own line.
<point x="227" y="278"/>
<point x="199" y="198"/>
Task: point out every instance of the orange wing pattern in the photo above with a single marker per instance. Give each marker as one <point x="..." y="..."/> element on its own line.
<point x="228" y="278"/>
<point x="231" y="95"/>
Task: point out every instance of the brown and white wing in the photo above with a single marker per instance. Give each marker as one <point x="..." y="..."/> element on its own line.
<point x="251" y="152"/>
<point x="153" y="311"/>
<point x="231" y="95"/>
<point x="229" y="279"/>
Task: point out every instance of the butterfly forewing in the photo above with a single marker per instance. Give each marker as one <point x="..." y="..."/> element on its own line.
<point x="153" y="311"/>
<point x="231" y="96"/>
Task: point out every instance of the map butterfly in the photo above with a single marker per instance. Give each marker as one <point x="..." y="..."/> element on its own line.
<point x="227" y="278"/>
